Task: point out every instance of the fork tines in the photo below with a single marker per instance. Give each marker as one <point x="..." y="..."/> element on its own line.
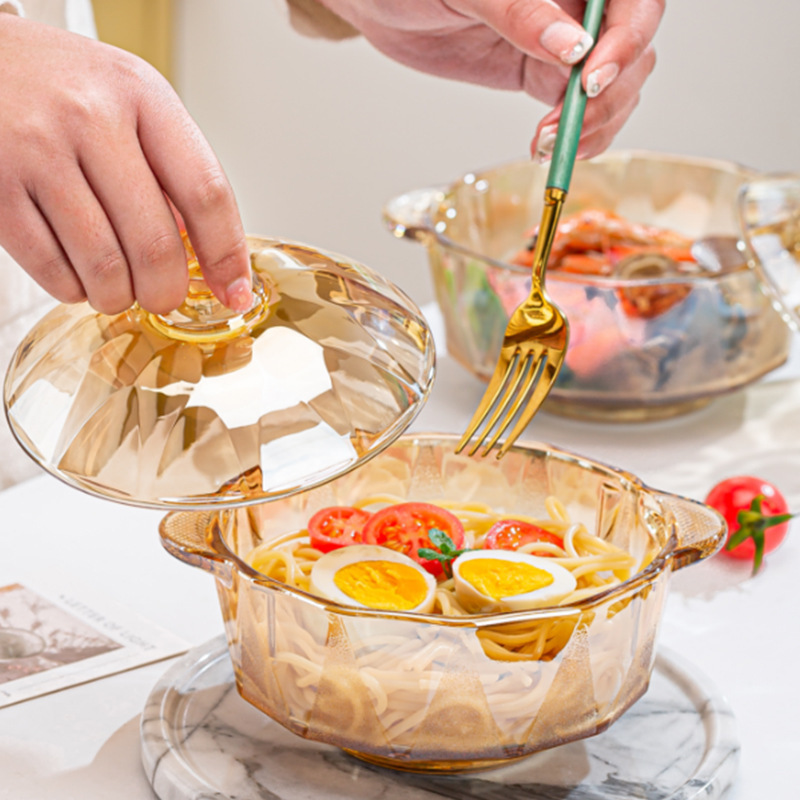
<point x="512" y="396"/>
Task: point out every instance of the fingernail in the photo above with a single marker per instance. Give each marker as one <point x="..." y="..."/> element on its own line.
<point x="600" y="79"/>
<point x="569" y="43"/>
<point x="240" y="295"/>
<point x="546" y="143"/>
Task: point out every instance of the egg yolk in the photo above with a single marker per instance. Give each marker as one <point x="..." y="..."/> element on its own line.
<point x="495" y="578"/>
<point x="384" y="585"/>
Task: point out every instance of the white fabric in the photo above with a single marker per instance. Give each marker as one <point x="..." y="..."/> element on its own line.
<point x="75" y="15"/>
<point x="80" y="17"/>
<point x="22" y="302"/>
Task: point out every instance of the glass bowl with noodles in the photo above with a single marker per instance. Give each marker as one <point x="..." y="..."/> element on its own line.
<point x="465" y="676"/>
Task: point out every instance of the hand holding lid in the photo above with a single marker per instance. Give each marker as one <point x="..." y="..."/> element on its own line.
<point x="207" y="407"/>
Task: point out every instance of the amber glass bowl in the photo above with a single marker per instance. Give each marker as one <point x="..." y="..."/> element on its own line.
<point x="427" y="693"/>
<point x="722" y="334"/>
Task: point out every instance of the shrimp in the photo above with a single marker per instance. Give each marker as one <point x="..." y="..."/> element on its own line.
<point x="597" y="242"/>
<point x="593" y="241"/>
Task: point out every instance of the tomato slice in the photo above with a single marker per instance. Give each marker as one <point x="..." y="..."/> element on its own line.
<point x="337" y="526"/>
<point x="511" y="534"/>
<point x="405" y="527"/>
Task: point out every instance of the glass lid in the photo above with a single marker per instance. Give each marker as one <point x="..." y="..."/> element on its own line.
<point x="205" y="407"/>
<point x="769" y="209"/>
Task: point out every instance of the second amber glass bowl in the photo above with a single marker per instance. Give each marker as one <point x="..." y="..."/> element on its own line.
<point x="721" y="336"/>
<point x="427" y="693"/>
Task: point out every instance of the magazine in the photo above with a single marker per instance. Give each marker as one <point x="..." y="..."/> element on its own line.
<point x="54" y="638"/>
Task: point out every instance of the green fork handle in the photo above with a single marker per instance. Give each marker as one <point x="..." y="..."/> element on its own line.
<point x="571" y="122"/>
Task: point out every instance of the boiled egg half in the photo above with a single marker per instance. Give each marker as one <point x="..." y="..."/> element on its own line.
<point x="487" y="581"/>
<point x="370" y="576"/>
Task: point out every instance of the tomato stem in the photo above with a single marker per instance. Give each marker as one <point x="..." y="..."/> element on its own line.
<point x="752" y="524"/>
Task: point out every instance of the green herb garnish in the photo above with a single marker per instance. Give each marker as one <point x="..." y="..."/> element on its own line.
<point x="447" y="551"/>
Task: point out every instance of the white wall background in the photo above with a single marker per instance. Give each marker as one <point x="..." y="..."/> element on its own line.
<point x="316" y="136"/>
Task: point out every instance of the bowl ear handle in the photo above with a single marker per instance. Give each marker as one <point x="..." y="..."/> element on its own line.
<point x="700" y="530"/>
<point x="408" y="216"/>
<point x="194" y="537"/>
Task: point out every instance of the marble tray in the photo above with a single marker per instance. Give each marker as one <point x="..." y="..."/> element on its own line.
<point x="200" y="740"/>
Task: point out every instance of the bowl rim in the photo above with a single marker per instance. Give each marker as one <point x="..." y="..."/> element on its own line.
<point x="661" y="560"/>
<point x="474" y="176"/>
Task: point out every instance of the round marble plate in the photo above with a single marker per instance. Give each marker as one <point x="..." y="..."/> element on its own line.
<point x="200" y="740"/>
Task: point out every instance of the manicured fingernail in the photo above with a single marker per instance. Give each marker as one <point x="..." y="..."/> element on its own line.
<point x="240" y="295"/>
<point x="600" y="79"/>
<point x="546" y="143"/>
<point x="570" y="43"/>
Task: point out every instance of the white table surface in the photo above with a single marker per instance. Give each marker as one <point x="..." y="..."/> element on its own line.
<point x="82" y="743"/>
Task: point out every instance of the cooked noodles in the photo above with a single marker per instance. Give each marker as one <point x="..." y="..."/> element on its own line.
<point x="597" y="565"/>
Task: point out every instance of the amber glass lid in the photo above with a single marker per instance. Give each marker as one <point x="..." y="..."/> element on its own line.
<point x="205" y="407"/>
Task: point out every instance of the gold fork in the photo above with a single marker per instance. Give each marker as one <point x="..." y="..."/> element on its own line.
<point x="535" y="341"/>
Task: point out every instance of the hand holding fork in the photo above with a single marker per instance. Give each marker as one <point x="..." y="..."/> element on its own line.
<point x="537" y="334"/>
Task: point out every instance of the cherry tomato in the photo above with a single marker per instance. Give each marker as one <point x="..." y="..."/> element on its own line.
<point x="757" y="515"/>
<point x="337" y="526"/>
<point x="405" y="527"/>
<point x="511" y="534"/>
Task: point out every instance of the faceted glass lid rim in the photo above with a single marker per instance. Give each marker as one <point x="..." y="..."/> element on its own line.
<point x="381" y="321"/>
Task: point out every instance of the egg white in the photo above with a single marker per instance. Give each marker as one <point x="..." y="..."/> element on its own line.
<point x="323" y="573"/>
<point x="476" y="602"/>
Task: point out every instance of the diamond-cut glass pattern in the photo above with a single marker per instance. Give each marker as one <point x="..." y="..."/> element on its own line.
<point x="426" y="693"/>
<point x="146" y="411"/>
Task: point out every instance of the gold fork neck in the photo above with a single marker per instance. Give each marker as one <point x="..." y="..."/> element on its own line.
<point x="551" y="212"/>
